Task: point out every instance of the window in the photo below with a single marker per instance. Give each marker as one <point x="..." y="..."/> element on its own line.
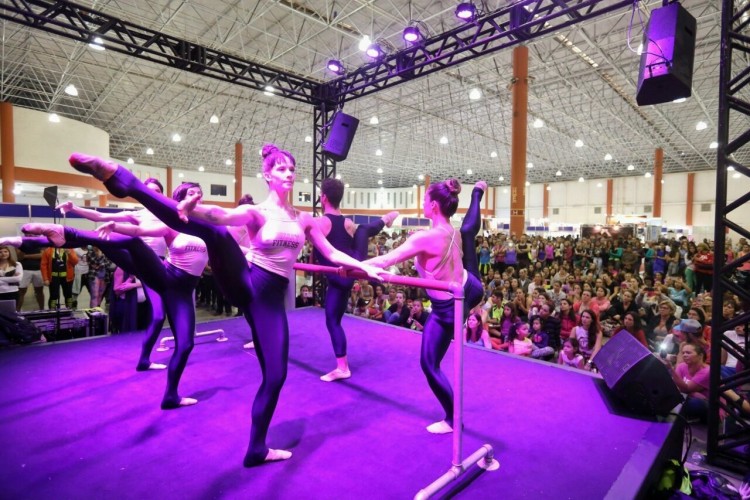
<point x="218" y="190"/>
<point x="647" y="209"/>
<point x="304" y="197"/>
<point x="555" y="211"/>
<point x="705" y="207"/>
<point x="597" y="210"/>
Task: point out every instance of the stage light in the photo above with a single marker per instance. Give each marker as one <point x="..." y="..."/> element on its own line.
<point x="631" y="167"/>
<point x="97" y="44"/>
<point x="713" y="145"/>
<point x="308" y="138"/>
<point x="412" y="34"/>
<point x="701" y="126"/>
<point x="335" y="66"/>
<point x="607" y="157"/>
<point x="466" y="11"/>
<point x="581" y="179"/>
<point x="647" y="175"/>
<point x="374" y="120"/>
<point x="176" y="137"/>
<point x="538" y="123"/>
<point x="201" y="169"/>
<point x="493" y="154"/>
<point x="131" y="161"/>
<point x="54" y="118"/>
<point x="475" y="94"/>
<point x="71" y="90"/>
<point x="149" y="151"/>
<point x="558" y="173"/>
<point x="213" y="119"/>
<point x="375" y="51"/>
<point x="579" y="143"/>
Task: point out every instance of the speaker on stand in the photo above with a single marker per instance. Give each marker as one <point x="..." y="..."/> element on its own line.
<point x="340" y="136"/>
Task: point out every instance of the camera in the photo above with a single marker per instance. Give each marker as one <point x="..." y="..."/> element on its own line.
<point x="663" y="351"/>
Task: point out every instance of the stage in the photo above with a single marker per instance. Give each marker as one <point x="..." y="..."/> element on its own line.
<point x="77" y="421"/>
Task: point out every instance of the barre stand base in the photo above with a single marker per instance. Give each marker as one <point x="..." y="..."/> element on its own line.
<point x="221" y="338"/>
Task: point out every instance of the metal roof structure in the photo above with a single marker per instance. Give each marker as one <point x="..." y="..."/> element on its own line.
<point x="582" y="87"/>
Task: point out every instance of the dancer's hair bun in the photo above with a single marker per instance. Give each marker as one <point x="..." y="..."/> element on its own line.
<point x="454" y="187"/>
<point x="268" y="150"/>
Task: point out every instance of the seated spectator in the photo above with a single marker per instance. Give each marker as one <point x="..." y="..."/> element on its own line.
<point x="475" y="333"/>
<point x="368" y="293"/>
<point x="697" y="314"/>
<point x="519" y="300"/>
<point x="520" y="343"/>
<point x="570" y="355"/>
<point x="305" y="297"/>
<point x="377" y="305"/>
<point x="551" y="325"/>
<point x="586" y="304"/>
<point x="631" y="324"/>
<point x="625" y="302"/>
<point x="568" y="319"/>
<point x="691" y="376"/>
<point x="361" y="309"/>
<point x="540" y="339"/>
<point x="354" y="296"/>
<point x="417" y="316"/>
<point x="728" y="361"/>
<point x="589" y="337"/>
<point x="660" y="324"/>
<point x="500" y="333"/>
<point x="398" y="313"/>
<point x="679" y="293"/>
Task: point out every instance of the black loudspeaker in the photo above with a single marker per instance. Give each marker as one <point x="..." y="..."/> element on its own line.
<point x="637" y="377"/>
<point x="666" y="70"/>
<point x="340" y="136"/>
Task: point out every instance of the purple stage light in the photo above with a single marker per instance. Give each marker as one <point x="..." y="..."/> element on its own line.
<point x="375" y="51"/>
<point x="412" y="34"/>
<point x="466" y="11"/>
<point x="335" y="66"/>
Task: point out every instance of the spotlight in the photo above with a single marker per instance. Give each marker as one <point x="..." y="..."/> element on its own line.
<point x="335" y="66"/>
<point x="412" y="34"/>
<point x="375" y="51"/>
<point x="466" y="11"/>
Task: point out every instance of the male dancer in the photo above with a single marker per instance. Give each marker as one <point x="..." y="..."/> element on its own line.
<point x="341" y="233"/>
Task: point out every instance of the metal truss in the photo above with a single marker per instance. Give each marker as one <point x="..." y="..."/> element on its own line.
<point x="84" y="25"/>
<point x="728" y="439"/>
<point x="505" y="27"/>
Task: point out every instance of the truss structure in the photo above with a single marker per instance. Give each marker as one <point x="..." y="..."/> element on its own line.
<point x="729" y="437"/>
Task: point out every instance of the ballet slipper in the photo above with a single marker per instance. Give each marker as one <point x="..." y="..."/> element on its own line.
<point x="271" y="456"/>
<point x="249" y="345"/>
<point x="150" y="366"/>
<point x="389" y="218"/>
<point x="481" y="185"/>
<point x="337" y="374"/>
<point x="441" y="427"/>
<point x="55" y="233"/>
<point x="167" y="405"/>
<point x="92" y="165"/>
<point x="11" y="241"/>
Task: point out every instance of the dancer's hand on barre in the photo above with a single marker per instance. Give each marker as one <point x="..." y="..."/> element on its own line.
<point x="187" y="205"/>
<point x="65" y="207"/>
<point x="105" y="230"/>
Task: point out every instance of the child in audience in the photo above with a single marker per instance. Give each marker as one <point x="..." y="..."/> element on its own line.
<point x="570" y="354"/>
<point x="540" y="339"/>
<point x="520" y="343"/>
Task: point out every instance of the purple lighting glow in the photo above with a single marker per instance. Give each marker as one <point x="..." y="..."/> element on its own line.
<point x="374" y="51"/>
<point x="466" y="11"/>
<point x="411" y="34"/>
<point x="335" y="66"/>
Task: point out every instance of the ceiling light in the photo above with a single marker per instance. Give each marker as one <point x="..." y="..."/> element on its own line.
<point x="71" y="90"/>
<point x="412" y="34"/>
<point x="176" y="137"/>
<point x="213" y="119"/>
<point x="258" y="175"/>
<point x="730" y="168"/>
<point x="528" y="184"/>
<point x="269" y="90"/>
<point x="380" y="170"/>
<point x="180" y="175"/>
<point x="701" y="126"/>
<point x="713" y="145"/>
<point x="505" y="191"/>
<point x="54" y="118"/>
<point x="308" y="138"/>
<point x="380" y="182"/>
<point x="329" y="162"/>
<point x="558" y="173"/>
<point x="736" y="175"/>
<point x="228" y="163"/>
<point x="549" y="188"/>
<point x="335" y="66"/>
<point x="414" y="186"/>
<point x="260" y="152"/>
<point x="581" y="179"/>
<point x="501" y="178"/>
<point x="469" y="172"/>
<point x="79" y="195"/>
<point x="493" y="154"/>
<point x="444" y="140"/>
<point x="679" y="100"/>
<point x="346" y="185"/>
<point x="466" y="11"/>
<point x="538" y="123"/>
<point x="378" y="152"/>
<point x="631" y="167"/>
<point x="607" y="157"/>
<point x="17" y="190"/>
<point x="639" y="50"/>
<point x="475" y="94"/>
<point x="149" y="151"/>
<point x="374" y="120"/>
<point x="375" y="51"/>
<point x="338" y="177"/>
<point x="131" y="161"/>
<point x="201" y="169"/>
<point x="97" y="44"/>
<point x="647" y="175"/>
<point x="234" y="181"/>
<point x="364" y="43"/>
<point x="306" y="181"/>
<point x="529" y="165"/>
<point x="599" y="184"/>
<point x="420" y="177"/>
<point x="579" y="143"/>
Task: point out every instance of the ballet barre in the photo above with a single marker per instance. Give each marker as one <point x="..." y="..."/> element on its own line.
<point x="221" y="338"/>
<point x="484" y="456"/>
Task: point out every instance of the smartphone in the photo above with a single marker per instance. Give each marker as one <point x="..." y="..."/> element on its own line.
<point x="663" y="351"/>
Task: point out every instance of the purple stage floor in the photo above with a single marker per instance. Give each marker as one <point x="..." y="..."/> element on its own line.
<point x="77" y="421"/>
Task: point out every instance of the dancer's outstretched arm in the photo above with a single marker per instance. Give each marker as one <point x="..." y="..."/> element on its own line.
<point x="219" y="216"/>
<point x="416" y="244"/>
<point x="153" y="229"/>
<point x="93" y="215"/>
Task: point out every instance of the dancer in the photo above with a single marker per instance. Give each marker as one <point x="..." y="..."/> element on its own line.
<point x="439" y="253"/>
<point x="276" y="232"/>
<point x="341" y="233"/>
<point x="158" y="245"/>
<point x="175" y="278"/>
